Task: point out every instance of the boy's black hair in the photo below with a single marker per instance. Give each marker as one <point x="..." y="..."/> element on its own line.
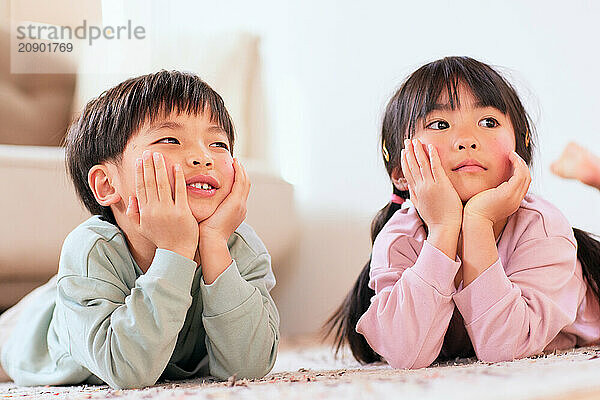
<point x="106" y="124"/>
<point x="415" y="98"/>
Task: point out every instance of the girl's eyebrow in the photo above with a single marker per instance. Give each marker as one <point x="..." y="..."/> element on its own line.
<point x="447" y="107"/>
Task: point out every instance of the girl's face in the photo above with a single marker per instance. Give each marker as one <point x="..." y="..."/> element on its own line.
<point x="473" y="143"/>
<point x="200" y="146"/>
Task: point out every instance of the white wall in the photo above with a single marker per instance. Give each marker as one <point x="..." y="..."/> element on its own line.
<point x="329" y="68"/>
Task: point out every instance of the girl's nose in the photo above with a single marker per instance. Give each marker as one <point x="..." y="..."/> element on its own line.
<point x="466" y="140"/>
<point x="470" y="144"/>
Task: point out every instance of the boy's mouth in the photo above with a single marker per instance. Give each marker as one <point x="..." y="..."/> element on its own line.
<point x="202" y="185"/>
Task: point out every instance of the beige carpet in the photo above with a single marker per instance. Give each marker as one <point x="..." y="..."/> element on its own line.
<point x="310" y="371"/>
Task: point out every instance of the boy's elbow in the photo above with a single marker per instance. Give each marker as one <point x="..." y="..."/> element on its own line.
<point x="255" y="370"/>
<point x="132" y="379"/>
<point x="247" y="367"/>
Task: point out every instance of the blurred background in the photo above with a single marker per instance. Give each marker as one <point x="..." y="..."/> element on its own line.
<point x="306" y="84"/>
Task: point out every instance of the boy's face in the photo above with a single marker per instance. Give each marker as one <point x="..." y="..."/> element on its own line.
<point x="199" y="145"/>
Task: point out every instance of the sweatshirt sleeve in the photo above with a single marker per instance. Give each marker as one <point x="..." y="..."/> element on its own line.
<point x="241" y="320"/>
<point x="518" y="315"/>
<point x="124" y="336"/>
<point x="412" y="307"/>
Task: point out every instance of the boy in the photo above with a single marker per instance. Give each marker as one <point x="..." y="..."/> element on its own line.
<point x="165" y="280"/>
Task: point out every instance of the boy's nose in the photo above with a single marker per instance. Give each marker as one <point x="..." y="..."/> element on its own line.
<point x="201" y="158"/>
<point x="205" y="163"/>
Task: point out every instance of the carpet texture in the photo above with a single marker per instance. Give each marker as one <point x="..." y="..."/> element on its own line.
<point x="310" y="371"/>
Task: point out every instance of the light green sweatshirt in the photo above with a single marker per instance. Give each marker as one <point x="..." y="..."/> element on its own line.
<point x="106" y="321"/>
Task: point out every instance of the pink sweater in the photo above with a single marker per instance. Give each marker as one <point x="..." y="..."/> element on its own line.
<point x="533" y="298"/>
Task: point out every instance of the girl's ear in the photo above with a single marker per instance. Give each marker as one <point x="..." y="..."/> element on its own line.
<point x="399" y="180"/>
<point x="102" y="187"/>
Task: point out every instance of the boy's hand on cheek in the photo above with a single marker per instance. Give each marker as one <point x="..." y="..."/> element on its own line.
<point x="232" y="210"/>
<point x="495" y="204"/>
<point x="216" y="230"/>
<point x="166" y="222"/>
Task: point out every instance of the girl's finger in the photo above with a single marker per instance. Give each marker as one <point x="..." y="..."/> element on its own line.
<point x="149" y="177"/>
<point x="413" y="197"/>
<point x="181" y="198"/>
<point x="163" y="186"/>
<point x="411" y="160"/>
<point x="437" y="171"/>
<point x="406" y="169"/>
<point x="422" y="160"/>
<point x="521" y="172"/>
<point x="140" y="187"/>
<point x="133" y="210"/>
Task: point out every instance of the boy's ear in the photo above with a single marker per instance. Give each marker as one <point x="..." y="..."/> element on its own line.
<point x="399" y="180"/>
<point x="102" y="187"/>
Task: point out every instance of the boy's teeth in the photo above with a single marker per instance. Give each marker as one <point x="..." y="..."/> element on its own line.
<point x="204" y="186"/>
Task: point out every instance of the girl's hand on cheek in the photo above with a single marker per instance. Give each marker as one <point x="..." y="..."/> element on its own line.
<point x="166" y="222"/>
<point x="495" y="204"/>
<point x="431" y="191"/>
<point x="231" y="212"/>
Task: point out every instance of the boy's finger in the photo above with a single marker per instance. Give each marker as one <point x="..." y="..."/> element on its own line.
<point x="149" y="177"/>
<point x="133" y="210"/>
<point x="140" y="188"/>
<point x="162" y="178"/>
<point x="244" y="181"/>
<point x="180" y="187"/>
<point x="423" y="160"/>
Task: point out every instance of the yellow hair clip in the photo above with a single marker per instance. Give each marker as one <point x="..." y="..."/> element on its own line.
<point x="386" y="155"/>
<point x="527" y="138"/>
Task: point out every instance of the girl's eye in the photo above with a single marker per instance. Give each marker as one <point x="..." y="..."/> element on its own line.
<point x="438" y="125"/>
<point x="220" y="144"/>
<point x="489" y="122"/>
<point x="168" y="140"/>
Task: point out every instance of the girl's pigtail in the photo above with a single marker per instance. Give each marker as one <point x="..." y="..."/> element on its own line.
<point x="588" y="253"/>
<point x="343" y="321"/>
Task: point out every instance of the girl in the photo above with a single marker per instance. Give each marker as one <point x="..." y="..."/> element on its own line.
<point x="476" y="266"/>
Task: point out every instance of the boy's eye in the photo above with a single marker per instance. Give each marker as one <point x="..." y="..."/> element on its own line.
<point x="168" y="140"/>
<point x="489" y="122"/>
<point x="438" y="125"/>
<point x="220" y="144"/>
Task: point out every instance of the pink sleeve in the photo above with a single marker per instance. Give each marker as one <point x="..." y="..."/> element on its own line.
<point x="518" y="315"/>
<point x="412" y="307"/>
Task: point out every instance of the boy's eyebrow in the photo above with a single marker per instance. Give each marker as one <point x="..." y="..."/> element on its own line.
<point x="216" y="130"/>
<point x="164" y="124"/>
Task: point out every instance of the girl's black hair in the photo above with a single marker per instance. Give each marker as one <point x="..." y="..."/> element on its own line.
<point x="411" y="103"/>
<point x="107" y="122"/>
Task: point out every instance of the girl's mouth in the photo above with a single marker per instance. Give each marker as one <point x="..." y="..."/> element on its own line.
<point x="470" y="168"/>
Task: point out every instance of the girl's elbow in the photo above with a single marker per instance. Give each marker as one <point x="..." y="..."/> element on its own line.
<point x="405" y="363"/>
<point x="494" y="354"/>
